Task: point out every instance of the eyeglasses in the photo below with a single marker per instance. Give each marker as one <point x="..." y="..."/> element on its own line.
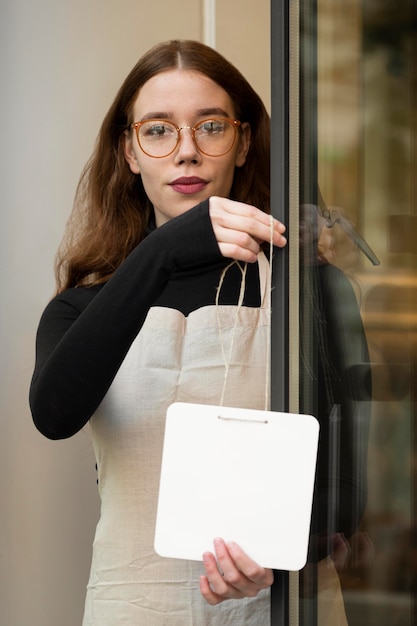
<point x="213" y="137"/>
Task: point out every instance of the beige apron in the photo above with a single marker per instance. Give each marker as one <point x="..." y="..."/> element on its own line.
<point x="174" y="358"/>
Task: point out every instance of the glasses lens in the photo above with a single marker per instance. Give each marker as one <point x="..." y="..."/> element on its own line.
<point x="215" y="137"/>
<point x="157" y="137"/>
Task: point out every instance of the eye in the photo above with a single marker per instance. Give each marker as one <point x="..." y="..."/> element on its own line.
<point x="211" y="127"/>
<point x="158" y="129"/>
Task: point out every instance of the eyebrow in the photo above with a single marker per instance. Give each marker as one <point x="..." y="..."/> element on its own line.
<point x="167" y="115"/>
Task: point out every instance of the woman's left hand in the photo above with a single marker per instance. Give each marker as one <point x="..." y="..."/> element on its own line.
<point x="230" y="573"/>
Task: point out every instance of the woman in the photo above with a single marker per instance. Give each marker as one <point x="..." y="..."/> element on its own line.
<point x="173" y="203"/>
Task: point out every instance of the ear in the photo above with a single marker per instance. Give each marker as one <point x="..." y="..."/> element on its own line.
<point x="129" y="152"/>
<point x="244" y="144"/>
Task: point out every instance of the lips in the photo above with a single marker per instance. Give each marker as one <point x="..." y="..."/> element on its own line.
<point x="188" y="184"/>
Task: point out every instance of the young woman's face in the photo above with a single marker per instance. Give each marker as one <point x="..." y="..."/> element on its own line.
<point x="179" y="181"/>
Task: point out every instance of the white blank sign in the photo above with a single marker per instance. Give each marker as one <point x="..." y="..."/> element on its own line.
<point x="243" y="475"/>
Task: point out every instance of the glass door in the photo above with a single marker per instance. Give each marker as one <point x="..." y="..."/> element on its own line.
<point x="352" y="120"/>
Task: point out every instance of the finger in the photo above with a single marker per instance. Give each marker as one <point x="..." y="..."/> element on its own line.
<point x="256" y="574"/>
<point x="238" y="254"/>
<point x="257" y="226"/>
<point x="238" y="238"/>
<point x="236" y="244"/>
<point x="207" y="592"/>
<point x="325" y="246"/>
<point x="246" y="218"/>
<point x="244" y="210"/>
<point x="326" y="239"/>
<point x="239" y="571"/>
<point x="216" y="580"/>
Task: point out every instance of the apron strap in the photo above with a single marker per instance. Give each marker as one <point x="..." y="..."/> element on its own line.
<point x="265" y="279"/>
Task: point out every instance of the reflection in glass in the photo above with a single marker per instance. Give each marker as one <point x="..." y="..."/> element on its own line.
<point x="358" y="327"/>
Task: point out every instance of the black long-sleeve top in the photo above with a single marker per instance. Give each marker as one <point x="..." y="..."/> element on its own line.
<point x="85" y="333"/>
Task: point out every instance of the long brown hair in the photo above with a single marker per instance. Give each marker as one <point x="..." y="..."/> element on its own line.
<point x="111" y="209"/>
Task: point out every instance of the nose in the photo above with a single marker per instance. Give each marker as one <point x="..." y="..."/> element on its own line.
<point x="186" y="149"/>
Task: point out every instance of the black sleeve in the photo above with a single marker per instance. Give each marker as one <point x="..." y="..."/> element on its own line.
<point x="84" y="334"/>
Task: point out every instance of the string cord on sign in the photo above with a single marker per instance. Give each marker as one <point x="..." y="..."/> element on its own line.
<point x="269" y="312"/>
<point x="227" y="358"/>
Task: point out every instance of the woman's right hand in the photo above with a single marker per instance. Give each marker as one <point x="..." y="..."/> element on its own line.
<point x="240" y="229"/>
<point x="231" y="574"/>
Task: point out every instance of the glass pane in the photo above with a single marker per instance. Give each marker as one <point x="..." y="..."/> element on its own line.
<point x="358" y="208"/>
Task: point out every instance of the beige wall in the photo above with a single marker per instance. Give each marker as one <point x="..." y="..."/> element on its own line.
<point x="61" y="63"/>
